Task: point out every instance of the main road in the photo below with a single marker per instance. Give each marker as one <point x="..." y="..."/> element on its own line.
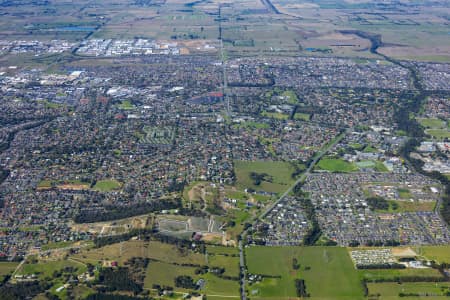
<point x="315" y="160"/>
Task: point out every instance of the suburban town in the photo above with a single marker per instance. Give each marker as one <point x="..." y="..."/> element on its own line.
<point x="160" y="151"/>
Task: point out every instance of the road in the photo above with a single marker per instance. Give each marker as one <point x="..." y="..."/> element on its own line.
<point x="316" y="159"/>
<point x="318" y="156"/>
<point x="225" y="82"/>
<point x="243" y="270"/>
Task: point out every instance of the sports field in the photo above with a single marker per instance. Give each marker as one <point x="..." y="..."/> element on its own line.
<point x="107" y="185"/>
<point x="336" y="165"/>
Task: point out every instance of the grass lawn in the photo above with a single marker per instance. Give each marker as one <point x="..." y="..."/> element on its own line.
<point x="439" y="254"/>
<point x="376" y="165"/>
<point x="370" y="149"/>
<point x="301" y="116"/>
<point x="46" y="269"/>
<point x="291" y="96"/>
<point x="391" y="290"/>
<point x="57" y="245"/>
<point x="107" y="185"/>
<point x="7" y="268"/>
<point x="356" y="146"/>
<point x="222" y="250"/>
<point x="408" y="206"/>
<point x="439" y="133"/>
<point x="432" y="123"/>
<point x="336" y="165"/>
<point x="279" y="171"/>
<point x="239" y="217"/>
<point x="219" y="286"/>
<point x="126" y="105"/>
<point x="404" y="193"/>
<point x="164" y="274"/>
<point x="45" y="184"/>
<point x="331" y="274"/>
<point x="230" y="263"/>
<point x="394" y="273"/>
<point x="275" y="115"/>
<point x="251" y="124"/>
<point x="81" y="291"/>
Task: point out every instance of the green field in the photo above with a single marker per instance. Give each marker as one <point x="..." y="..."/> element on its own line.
<point x="7" y="268"/>
<point x="408" y="206"/>
<point x="278" y="170"/>
<point x="331" y="274"/>
<point x="275" y="115"/>
<point x="438" y="133"/>
<point x="164" y="274"/>
<point x="391" y="290"/>
<point x="46" y="269"/>
<point x="126" y="105"/>
<point x="251" y="124"/>
<point x="432" y="123"/>
<point x="222" y="250"/>
<point x="370" y="149"/>
<point x="107" y="185"/>
<point x="169" y="262"/>
<point x="392" y="274"/>
<point x="336" y="165"/>
<point x="439" y="254"/>
<point x="290" y="96"/>
<point x="404" y="193"/>
<point x="376" y="165"/>
<point x="230" y="263"/>
<point x="301" y="116"/>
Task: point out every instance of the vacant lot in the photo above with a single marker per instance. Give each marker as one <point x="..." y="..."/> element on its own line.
<point x="123" y="251"/>
<point x="279" y="173"/>
<point x="328" y="272"/>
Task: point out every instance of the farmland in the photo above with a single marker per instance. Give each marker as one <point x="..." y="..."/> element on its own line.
<point x="440" y="254"/>
<point x="392" y="275"/>
<point x="167" y="262"/>
<point x="328" y="272"/>
<point x="392" y="290"/>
